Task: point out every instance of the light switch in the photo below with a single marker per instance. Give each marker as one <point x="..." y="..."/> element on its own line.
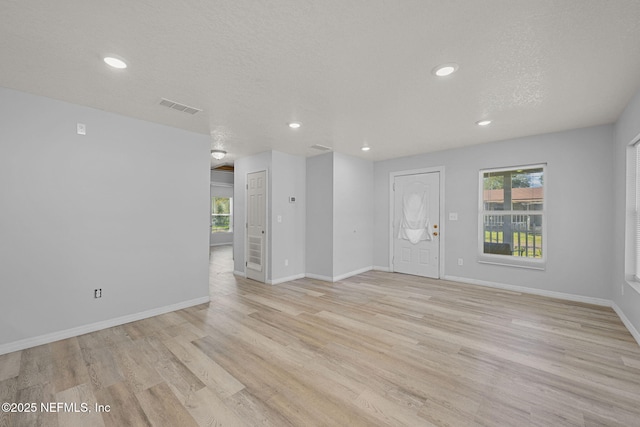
<point x="453" y="216"/>
<point x="279" y="218"/>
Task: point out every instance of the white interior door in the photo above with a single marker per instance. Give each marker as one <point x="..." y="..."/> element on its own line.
<point x="256" y="225"/>
<point x="416" y="224"/>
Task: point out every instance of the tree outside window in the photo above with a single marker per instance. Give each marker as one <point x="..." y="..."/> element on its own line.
<point x="221" y="214"/>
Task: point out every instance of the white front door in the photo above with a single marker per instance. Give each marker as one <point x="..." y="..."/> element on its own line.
<point x="256" y="225"/>
<point x="416" y="224"/>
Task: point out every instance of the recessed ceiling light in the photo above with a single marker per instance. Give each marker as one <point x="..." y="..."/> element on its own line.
<point x="483" y="122"/>
<point x="115" y="62"/>
<point x="445" y="69"/>
<point x="366" y="148"/>
<point x="294" y="125"/>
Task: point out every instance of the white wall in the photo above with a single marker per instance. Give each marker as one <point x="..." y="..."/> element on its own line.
<point x="352" y="215"/>
<point x="626" y="130"/>
<point x="222" y="177"/>
<point x="285" y="240"/>
<point x="221" y="186"/>
<point x="319" y="233"/>
<point x="578" y="199"/>
<point x="123" y="208"/>
<point x="288" y="179"/>
<point x="339" y="216"/>
<point x="243" y="166"/>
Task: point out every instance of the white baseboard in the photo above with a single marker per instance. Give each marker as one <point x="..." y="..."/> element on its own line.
<point x="285" y="279"/>
<point x="381" y="268"/>
<point x="92" y="327"/>
<point x="632" y="329"/>
<point x="534" y="291"/>
<point x="240" y="273"/>
<point x="221" y="244"/>
<point x="339" y="277"/>
<point x="319" y="277"/>
<point x="352" y="273"/>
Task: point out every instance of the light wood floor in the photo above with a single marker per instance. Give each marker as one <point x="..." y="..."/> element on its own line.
<point x="376" y="349"/>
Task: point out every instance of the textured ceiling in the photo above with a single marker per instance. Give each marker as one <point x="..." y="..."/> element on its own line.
<point x="351" y="71"/>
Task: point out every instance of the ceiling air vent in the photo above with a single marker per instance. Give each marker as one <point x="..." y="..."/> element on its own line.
<point x="321" y="147"/>
<point x="180" y="107"/>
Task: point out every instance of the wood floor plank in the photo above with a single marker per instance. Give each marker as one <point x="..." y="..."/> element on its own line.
<point x="163" y="408"/>
<point x="182" y="381"/>
<point x="10" y="365"/>
<point x="109" y="337"/>
<point x="254" y="411"/>
<point x="253" y="372"/>
<point x="8" y="394"/>
<point x="102" y="366"/>
<point x="40" y="393"/>
<point x="136" y="367"/>
<point x="208" y="409"/>
<point x="124" y="408"/>
<point x="75" y="414"/>
<point x="631" y="363"/>
<point x="36" y="367"/>
<point x="206" y="369"/>
<point x="69" y="367"/>
<point x="388" y="412"/>
<point x="358" y="327"/>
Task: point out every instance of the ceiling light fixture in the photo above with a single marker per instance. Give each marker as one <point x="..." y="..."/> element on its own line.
<point x="294" y="125"/>
<point x="218" y="154"/>
<point x="365" y="148"/>
<point x="115" y="62"/>
<point x="483" y="122"/>
<point x="445" y="69"/>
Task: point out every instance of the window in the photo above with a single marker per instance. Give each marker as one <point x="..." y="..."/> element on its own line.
<point x="512" y="216"/>
<point x="221" y="214"/>
<point x="636" y="210"/>
<point x="632" y="244"/>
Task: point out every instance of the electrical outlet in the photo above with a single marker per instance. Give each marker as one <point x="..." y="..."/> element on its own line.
<point x="97" y="293"/>
<point x="81" y="129"/>
<point x="460" y="261"/>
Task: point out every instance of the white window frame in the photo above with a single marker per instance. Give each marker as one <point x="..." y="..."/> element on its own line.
<point x="632" y="224"/>
<point x="230" y="214"/>
<point x="509" y="260"/>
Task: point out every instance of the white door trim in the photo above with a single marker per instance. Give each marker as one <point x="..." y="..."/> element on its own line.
<point x="392" y="176"/>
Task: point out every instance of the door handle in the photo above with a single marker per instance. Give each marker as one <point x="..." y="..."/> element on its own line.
<point x="435" y="233"/>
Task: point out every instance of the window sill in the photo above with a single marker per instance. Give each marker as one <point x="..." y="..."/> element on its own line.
<point x="511" y="262"/>
<point x="633" y="284"/>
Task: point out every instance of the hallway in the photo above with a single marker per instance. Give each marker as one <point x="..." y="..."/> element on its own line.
<point x="221" y="279"/>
